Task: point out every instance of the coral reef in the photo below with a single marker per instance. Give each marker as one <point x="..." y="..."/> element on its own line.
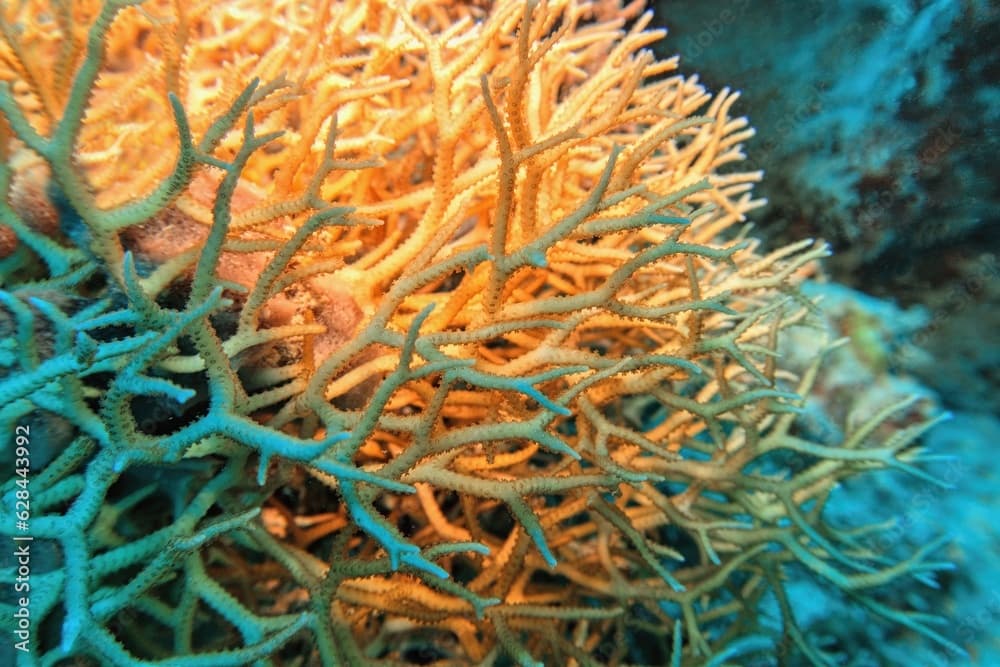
<point x="879" y="140"/>
<point x="876" y="126"/>
<point x="869" y="370"/>
<point x="404" y="333"/>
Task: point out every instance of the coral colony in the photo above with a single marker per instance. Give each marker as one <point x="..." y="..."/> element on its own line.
<point x="416" y="332"/>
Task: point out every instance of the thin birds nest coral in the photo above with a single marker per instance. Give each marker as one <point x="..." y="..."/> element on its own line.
<point x="429" y="326"/>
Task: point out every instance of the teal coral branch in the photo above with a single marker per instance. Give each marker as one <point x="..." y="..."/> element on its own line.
<point x="108" y="645"/>
<point x="264" y="287"/>
<point x="49" y="370"/>
<point x="221" y="215"/>
<point x="140" y="211"/>
<point x="400" y="551"/>
<point x="25" y="330"/>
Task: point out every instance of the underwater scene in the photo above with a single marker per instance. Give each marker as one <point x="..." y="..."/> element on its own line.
<point x="505" y="334"/>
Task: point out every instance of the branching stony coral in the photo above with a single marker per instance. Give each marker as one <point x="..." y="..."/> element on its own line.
<point x="394" y="333"/>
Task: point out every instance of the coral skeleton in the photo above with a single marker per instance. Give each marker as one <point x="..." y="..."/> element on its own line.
<point x="416" y="332"/>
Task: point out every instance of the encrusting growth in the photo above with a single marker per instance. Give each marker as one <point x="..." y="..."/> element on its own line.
<point x="403" y="333"/>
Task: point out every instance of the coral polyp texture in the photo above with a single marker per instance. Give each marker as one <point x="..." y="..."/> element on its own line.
<point x="357" y="333"/>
